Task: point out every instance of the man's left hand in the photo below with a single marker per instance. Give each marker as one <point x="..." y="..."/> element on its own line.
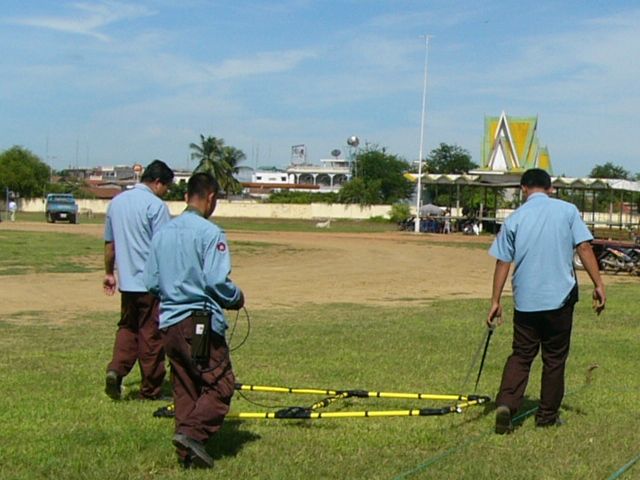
<point x="109" y="284"/>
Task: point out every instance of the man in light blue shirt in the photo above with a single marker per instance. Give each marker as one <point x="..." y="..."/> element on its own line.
<point x="189" y="267"/>
<point x="539" y="238"/>
<point x="133" y="217"/>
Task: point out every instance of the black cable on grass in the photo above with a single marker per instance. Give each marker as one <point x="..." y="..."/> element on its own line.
<point x="517" y="419"/>
<point x="257" y="404"/>
<point x="232" y="349"/>
<point x="233" y="330"/>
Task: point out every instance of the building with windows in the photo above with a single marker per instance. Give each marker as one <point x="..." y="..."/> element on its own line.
<point x="329" y="176"/>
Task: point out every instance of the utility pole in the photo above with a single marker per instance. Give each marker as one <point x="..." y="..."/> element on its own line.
<point x="424" y="104"/>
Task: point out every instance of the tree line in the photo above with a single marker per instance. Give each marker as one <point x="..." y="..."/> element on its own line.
<point x="378" y="177"/>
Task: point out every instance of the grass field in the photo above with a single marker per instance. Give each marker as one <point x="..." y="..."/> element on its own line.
<point x="57" y="422"/>
<point x="40" y="217"/>
<point x="259" y="224"/>
<point x="53" y="252"/>
<point x="37" y="252"/>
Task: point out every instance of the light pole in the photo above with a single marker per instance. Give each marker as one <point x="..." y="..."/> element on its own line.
<point x="424" y="103"/>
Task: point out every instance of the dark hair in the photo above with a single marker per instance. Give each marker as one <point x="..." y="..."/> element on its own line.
<point x="202" y="184"/>
<point x="158" y="170"/>
<point x="536" y="177"/>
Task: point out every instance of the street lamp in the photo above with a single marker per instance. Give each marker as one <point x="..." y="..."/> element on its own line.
<point x="424" y="103"/>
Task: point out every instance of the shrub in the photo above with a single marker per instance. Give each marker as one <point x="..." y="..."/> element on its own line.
<point x="302" y="197"/>
<point x="399" y="212"/>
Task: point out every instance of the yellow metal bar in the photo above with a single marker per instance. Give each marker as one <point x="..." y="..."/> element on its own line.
<point x="471" y="403"/>
<point x="319" y="391"/>
<point x="303" y="391"/>
<point x="318" y="415"/>
<point x="419" y="396"/>
<point x="252" y="415"/>
<point x="328" y="401"/>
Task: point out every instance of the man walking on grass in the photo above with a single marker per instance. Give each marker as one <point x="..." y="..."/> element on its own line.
<point x="133" y="217"/>
<point x="189" y="267"/>
<point x="539" y="238"/>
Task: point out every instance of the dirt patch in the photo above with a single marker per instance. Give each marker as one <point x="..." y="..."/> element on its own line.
<point x="392" y="268"/>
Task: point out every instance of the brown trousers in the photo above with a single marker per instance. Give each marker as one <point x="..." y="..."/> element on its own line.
<point x="549" y="331"/>
<point x="138" y="339"/>
<point x="201" y="393"/>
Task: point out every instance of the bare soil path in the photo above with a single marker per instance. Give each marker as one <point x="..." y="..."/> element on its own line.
<point x="392" y="268"/>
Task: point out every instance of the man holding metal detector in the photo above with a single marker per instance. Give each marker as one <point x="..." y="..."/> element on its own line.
<point x="539" y="238"/>
<point x="188" y="267"/>
<point x="132" y="219"/>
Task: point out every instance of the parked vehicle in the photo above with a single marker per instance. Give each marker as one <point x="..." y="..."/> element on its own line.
<point x="614" y="256"/>
<point x="61" y="206"/>
<point x="615" y="260"/>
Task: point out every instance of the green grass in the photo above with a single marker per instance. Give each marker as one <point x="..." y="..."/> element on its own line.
<point x="97" y="218"/>
<point x="57" y="422"/>
<point x="259" y="224"/>
<point x="48" y="252"/>
<point x="291" y="225"/>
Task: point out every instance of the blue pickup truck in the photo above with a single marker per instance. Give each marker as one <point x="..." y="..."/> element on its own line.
<point x="61" y="206"/>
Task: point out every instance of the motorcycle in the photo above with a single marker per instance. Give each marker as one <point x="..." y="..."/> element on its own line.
<point x="616" y="260"/>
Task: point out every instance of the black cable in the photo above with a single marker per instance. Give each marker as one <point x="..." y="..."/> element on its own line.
<point x="246" y="312"/>
<point x="233" y="330"/>
<point x="239" y="392"/>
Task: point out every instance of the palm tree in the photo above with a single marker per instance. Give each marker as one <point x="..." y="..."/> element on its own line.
<point x="219" y="160"/>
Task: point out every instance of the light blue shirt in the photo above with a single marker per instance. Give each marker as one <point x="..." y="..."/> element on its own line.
<point x="540" y="238"/>
<point x="133" y="217"/>
<point x="188" y="268"/>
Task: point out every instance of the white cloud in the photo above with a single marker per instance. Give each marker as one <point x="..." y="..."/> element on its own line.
<point x="261" y="63"/>
<point x="587" y="65"/>
<point x="86" y="18"/>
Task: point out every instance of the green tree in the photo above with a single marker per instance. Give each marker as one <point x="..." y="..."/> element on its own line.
<point x="23" y="172"/>
<point x="609" y="170"/>
<point x="378" y="177"/>
<point x="220" y="160"/>
<point x="176" y="191"/>
<point x="603" y="199"/>
<point x="449" y="159"/>
<point x="361" y="192"/>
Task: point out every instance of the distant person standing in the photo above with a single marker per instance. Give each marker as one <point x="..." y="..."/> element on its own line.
<point x="189" y="267"/>
<point x="446" y="229"/>
<point x="133" y="217"/>
<point x="13" y="208"/>
<point x="539" y="238"/>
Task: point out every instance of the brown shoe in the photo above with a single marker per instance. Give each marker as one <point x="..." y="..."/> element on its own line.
<point x="503" y="420"/>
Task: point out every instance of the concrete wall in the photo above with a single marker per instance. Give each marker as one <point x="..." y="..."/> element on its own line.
<point x="250" y="209"/>
<point x="243" y="209"/>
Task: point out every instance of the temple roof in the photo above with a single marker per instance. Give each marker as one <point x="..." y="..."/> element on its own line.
<point x="511" y="145"/>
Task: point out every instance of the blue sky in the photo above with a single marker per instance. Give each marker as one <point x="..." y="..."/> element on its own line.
<point x="90" y="82"/>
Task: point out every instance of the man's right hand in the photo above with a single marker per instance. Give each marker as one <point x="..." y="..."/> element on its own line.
<point x="239" y="304"/>
<point x="495" y="315"/>
<point x="599" y="299"/>
<point x="109" y="284"/>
